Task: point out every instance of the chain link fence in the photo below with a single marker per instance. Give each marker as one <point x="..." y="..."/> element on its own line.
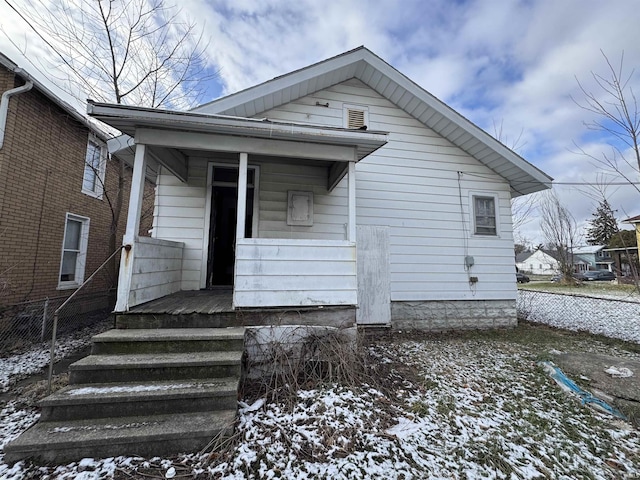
<point x="24" y="324"/>
<point x="611" y="317"/>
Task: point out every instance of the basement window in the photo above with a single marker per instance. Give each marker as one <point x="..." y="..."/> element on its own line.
<point x="356" y="116"/>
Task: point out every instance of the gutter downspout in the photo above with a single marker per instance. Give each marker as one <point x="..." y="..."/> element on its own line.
<point x="4" y="106"/>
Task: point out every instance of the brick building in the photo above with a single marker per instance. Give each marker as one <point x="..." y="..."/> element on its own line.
<point x="58" y="189"/>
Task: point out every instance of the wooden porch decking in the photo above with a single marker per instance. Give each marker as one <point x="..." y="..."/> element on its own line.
<point x="214" y="308"/>
<point x="208" y="302"/>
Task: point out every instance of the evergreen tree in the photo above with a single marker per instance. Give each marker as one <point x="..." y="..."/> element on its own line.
<point x="603" y="226"/>
<point x="624" y="238"/>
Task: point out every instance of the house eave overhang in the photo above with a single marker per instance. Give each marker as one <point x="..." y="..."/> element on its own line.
<point x="362" y="64"/>
<point x="68" y="109"/>
<point x="142" y="122"/>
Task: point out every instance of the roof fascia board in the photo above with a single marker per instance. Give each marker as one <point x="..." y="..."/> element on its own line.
<point x="260" y="134"/>
<point x="244" y="126"/>
<point x="229" y="143"/>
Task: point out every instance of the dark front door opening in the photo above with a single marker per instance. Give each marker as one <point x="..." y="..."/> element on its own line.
<point x="222" y="231"/>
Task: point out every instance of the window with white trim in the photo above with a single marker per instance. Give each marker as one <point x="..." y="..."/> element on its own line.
<point x="74" y="251"/>
<point x="95" y="164"/>
<point x="484" y="214"/>
<point x="355" y="116"/>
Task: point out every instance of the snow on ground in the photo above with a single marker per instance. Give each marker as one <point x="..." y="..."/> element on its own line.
<point x="611" y="318"/>
<point x="16" y="367"/>
<point x="455" y="408"/>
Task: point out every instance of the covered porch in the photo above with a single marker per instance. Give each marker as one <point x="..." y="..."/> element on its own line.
<point x="260" y="242"/>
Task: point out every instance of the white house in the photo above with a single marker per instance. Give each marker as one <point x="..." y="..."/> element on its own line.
<point x="342" y="183"/>
<point x="538" y="263"/>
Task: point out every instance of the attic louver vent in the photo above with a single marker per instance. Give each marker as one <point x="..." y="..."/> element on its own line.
<point x="355" y="118"/>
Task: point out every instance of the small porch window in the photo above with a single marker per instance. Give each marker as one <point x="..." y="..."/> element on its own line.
<point x="74" y="251"/>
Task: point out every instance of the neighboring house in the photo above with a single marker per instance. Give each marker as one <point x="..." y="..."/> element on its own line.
<point x="635" y="221"/>
<point x="540" y="262"/>
<point x="342" y="183"/>
<point x="56" y="178"/>
<point x="594" y="257"/>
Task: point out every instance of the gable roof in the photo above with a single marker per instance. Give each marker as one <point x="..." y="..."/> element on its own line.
<point x="522" y="256"/>
<point x="367" y="67"/>
<point x="635" y="219"/>
<point x="587" y="249"/>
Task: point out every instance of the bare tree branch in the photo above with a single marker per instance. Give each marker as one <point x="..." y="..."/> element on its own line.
<point x="138" y="52"/>
<point x="616" y="110"/>
<point x="559" y="230"/>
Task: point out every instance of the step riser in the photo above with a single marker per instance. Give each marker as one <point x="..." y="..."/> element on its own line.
<point x="329" y="316"/>
<point x="195" y="320"/>
<point x="148" y="449"/>
<point x="175" y="346"/>
<point x="139" y="407"/>
<point x="134" y="374"/>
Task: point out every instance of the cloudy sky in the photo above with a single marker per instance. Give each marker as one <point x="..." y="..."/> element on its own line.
<point x="509" y="66"/>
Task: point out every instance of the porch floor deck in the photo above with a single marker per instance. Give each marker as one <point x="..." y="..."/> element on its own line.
<point x="214" y="308"/>
<point x="206" y="302"/>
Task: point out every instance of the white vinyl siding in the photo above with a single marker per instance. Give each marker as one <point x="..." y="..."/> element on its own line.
<point x="94" y="168"/>
<point x="275" y="272"/>
<point x="74" y="251"/>
<point x="157" y="269"/>
<point x="179" y="212"/>
<point x="412" y="186"/>
<point x="179" y="215"/>
<point x="418" y="185"/>
<point x="329" y="209"/>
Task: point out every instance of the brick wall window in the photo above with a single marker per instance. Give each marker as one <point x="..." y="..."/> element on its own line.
<point x="94" y="168"/>
<point x="74" y="251"/>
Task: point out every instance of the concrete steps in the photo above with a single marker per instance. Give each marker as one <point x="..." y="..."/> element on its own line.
<point x="58" y="442"/>
<point x="154" y="366"/>
<point x="144" y="398"/>
<point x="142" y="391"/>
<point x="168" y="340"/>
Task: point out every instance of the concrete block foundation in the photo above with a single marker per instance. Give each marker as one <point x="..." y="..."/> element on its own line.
<point x="453" y="314"/>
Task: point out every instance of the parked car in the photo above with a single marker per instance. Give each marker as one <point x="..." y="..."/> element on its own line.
<point x="521" y="278"/>
<point x="596" y="275"/>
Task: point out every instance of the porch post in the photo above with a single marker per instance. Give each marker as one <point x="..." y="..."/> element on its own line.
<point x="242" y="196"/>
<point x="351" y="222"/>
<point x="133" y="226"/>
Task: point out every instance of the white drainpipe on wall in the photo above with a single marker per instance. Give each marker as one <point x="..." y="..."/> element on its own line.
<point x="4" y="106"/>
